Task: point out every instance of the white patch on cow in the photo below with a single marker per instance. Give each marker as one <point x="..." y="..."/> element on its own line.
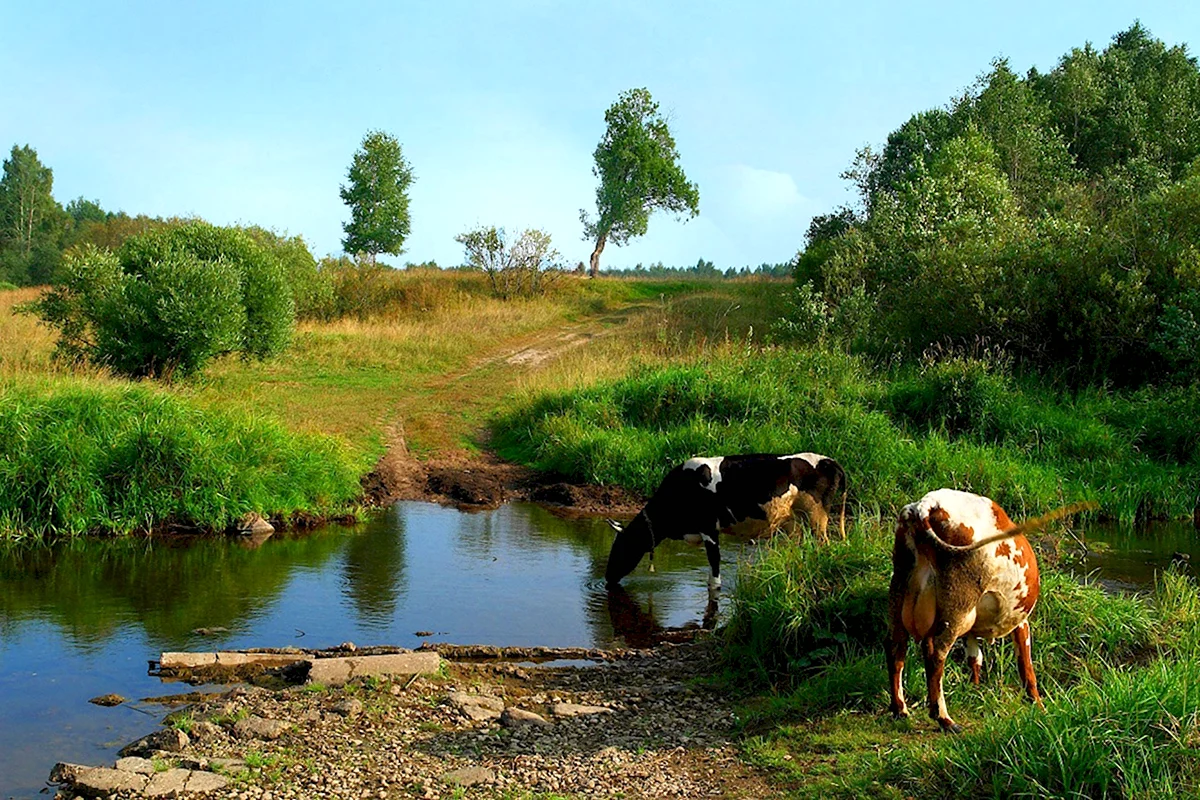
<point x="964" y="508"/>
<point x="812" y="458"/>
<point x="714" y="582"/>
<point x="974" y="651"/>
<point x="713" y="464"/>
<point x="708" y="539"/>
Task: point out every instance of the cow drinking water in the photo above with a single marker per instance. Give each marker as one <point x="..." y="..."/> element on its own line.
<point x="704" y="496"/>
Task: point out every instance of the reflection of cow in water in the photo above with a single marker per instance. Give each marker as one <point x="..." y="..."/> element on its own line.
<point x="639" y="628"/>
<point x="703" y="496"/>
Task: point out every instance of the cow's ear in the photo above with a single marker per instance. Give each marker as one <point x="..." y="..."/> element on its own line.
<point x="704" y="473"/>
<point x="616" y="526"/>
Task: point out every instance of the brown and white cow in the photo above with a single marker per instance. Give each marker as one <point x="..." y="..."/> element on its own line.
<point x="960" y="567"/>
<point x="704" y="496"/>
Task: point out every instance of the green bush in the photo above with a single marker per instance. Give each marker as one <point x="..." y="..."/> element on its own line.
<point x="170" y="300"/>
<point x="77" y="457"/>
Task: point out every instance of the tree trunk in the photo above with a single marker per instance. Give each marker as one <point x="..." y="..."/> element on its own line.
<point x="595" y="269"/>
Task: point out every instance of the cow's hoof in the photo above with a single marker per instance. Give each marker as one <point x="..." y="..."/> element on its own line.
<point x="950" y="727"/>
<point x="900" y="713"/>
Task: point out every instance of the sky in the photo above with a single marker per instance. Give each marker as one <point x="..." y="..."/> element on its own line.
<point x="250" y="112"/>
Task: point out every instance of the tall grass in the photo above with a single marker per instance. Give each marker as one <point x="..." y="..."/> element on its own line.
<point x="898" y="433"/>
<point x="80" y="456"/>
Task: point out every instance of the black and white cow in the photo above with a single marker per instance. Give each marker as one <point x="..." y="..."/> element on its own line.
<point x="704" y="496"/>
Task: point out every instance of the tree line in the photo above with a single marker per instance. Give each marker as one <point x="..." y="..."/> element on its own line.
<point x="1054" y="216"/>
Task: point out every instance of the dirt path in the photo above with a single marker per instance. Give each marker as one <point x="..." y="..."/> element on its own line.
<point x="447" y="412"/>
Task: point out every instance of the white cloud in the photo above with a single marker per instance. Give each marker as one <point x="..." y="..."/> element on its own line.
<point x="763" y="192"/>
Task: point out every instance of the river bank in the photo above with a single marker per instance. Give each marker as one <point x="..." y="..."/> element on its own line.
<point x="648" y="724"/>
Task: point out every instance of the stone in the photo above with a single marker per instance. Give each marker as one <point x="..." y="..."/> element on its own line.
<point x="577" y="710"/>
<point x="253" y="524"/>
<point x="204" y="782"/>
<point x="338" y="671"/>
<point x="477" y="707"/>
<point x="350" y="707"/>
<point x="230" y="765"/>
<point x="102" y="781"/>
<point x="513" y="717"/>
<point x="259" y="728"/>
<point x="108" y="700"/>
<point x="469" y="776"/>
<point x="171" y="740"/>
<point x="205" y="731"/>
<point x="142" y="766"/>
<point x="170" y="782"/>
<point x="65" y="772"/>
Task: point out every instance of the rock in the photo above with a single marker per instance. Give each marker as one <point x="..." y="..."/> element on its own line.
<point x="518" y="717"/>
<point x="102" y="781"/>
<point x="205" y="731"/>
<point x="172" y="740"/>
<point x="350" y="707"/>
<point x="576" y="710"/>
<point x="65" y="772"/>
<point x="259" y="728"/>
<point x="203" y="782"/>
<point x="108" y="700"/>
<point x="171" y="782"/>
<point x="253" y="524"/>
<point x="338" y="671"/>
<point x="469" y="776"/>
<point x="423" y="634"/>
<point x="142" y="766"/>
<point x="213" y="631"/>
<point x="477" y="707"/>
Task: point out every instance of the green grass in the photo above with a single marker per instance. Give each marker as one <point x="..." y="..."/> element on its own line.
<point x="1119" y="674"/>
<point x="89" y="456"/>
<point x="898" y="433"/>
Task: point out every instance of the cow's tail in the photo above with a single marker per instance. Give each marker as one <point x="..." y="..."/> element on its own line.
<point x="845" y="494"/>
<point x="1016" y="530"/>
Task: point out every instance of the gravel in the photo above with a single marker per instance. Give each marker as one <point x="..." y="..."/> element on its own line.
<point x="665" y="734"/>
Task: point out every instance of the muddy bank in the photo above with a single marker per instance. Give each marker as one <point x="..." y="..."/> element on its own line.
<point x="483" y="481"/>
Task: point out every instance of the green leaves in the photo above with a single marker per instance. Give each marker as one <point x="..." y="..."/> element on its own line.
<point x="636" y="162"/>
<point x="377" y="194"/>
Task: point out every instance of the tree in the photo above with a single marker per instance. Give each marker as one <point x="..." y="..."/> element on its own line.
<point x="523" y="268"/>
<point x="636" y="162"/>
<point x="31" y="222"/>
<point x="378" y="197"/>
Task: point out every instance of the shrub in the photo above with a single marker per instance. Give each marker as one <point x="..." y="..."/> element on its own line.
<point x="170" y="300"/>
<point x="522" y="268"/>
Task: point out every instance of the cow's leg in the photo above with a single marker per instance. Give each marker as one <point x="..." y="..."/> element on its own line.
<point x="935" y="649"/>
<point x="896" y="648"/>
<point x="1023" y="642"/>
<point x="974" y="658"/>
<point x="713" y="551"/>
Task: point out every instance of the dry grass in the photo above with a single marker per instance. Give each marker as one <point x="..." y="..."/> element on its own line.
<point x="25" y="343"/>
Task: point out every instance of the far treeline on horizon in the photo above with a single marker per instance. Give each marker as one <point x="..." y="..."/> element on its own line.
<point x="1053" y="214"/>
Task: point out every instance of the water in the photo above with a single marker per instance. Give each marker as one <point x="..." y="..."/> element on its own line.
<point x="83" y="619"/>
<point x="1127" y="559"/>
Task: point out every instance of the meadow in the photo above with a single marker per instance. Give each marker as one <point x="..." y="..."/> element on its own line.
<point x="612" y="381"/>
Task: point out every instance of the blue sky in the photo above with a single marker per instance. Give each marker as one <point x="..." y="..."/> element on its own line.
<point x="250" y="112"/>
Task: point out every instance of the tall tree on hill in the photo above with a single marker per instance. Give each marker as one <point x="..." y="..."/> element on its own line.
<point x="378" y="197"/>
<point x="637" y="164"/>
<point x="31" y="222"/>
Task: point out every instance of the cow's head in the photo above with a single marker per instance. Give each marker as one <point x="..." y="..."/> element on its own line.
<point x="633" y="541"/>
